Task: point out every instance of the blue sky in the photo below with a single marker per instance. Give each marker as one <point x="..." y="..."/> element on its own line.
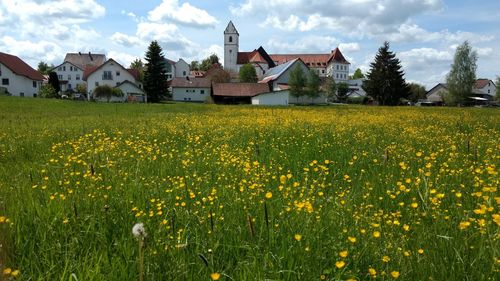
<point x="423" y="33"/>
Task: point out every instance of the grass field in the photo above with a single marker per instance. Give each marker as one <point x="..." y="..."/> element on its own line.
<point x="247" y="193"/>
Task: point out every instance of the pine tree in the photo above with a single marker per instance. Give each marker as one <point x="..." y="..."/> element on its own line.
<point x="297" y="82"/>
<point x="54" y="82"/>
<point x="248" y="74"/>
<point x="385" y="80"/>
<point x="462" y="76"/>
<point x="155" y="77"/>
<point x="331" y="89"/>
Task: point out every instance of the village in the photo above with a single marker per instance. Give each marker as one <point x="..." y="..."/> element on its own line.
<point x="81" y="73"/>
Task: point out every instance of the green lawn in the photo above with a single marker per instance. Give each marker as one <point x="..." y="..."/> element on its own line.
<point x="248" y="193"/>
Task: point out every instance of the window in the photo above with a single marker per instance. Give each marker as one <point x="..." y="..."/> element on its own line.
<point x="97" y="84"/>
<point x="337" y="67"/>
<point x="64" y="68"/>
<point x="70" y="68"/>
<point x="202" y="92"/>
<point x="489" y="91"/>
<point x="5" y="81"/>
<point x="117" y="83"/>
<point x="323" y="71"/>
<point x="59" y="68"/>
<point x="118" y="73"/>
<point x="70" y="87"/>
<point x="78" y="77"/>
<point x="21" y="94"/>
<point x="230" y="39"/>
<point x="106" y="75"/>
<point x="34" y="84"/>
<point x="184" y="73"/>
<point x="69" y="77"/>
<point x="59" y="76"/>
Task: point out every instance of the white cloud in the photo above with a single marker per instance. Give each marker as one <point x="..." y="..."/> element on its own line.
<point x="184" y="14"/>
<point x="126" y="40"/>
<point x="31" y="52"/>
<point x="123" y="58"/>
<point x="308" y="44"/>
<point x="414" y="33"/>
<point x="370" y="17"/>
<point x="349" y="47"/>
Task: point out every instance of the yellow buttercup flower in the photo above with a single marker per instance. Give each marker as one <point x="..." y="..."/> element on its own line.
<point x="340" y="264"/>
<point x="343" y="254"/>
<point x="395" y="274"/>
<point x="269" y="195"/>
<point x="215" y="276"/>
<point x="297" y="237"/>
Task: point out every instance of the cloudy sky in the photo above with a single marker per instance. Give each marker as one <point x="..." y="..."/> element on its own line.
<point x="423" y="33"/>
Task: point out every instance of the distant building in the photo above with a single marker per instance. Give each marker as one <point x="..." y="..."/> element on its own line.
<point x="238" y="93"/>
<point x="176" y="69"/>
<point x="191" y="89"/>
<point x="17" y="78"/>
<point x="70" y="72"/>
<point x="483" y="90"/>
<point x="332" y="65"/>
<point x="356" y="88"/>
<point x="113" y="74"/>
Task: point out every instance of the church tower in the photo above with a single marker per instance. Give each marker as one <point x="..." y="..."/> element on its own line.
<point x="231" y="48"/>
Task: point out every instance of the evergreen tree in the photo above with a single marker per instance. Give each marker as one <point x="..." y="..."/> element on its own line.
<point x="155" y="77"/>
<point x="358" y="74"/>
<point x="462" y="76"/>
<point x="248" y="74"/>
<point x="313" y="82"/>
<point x="297" y="82"/>
<point x="498" y="89"/>
<point x="385" y="81"/>
<point x="54" y="82"/>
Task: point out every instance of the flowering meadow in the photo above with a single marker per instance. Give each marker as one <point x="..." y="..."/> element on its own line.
<point x="247" y="193"/>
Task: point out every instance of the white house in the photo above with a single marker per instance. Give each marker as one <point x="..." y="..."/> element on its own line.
<point x="176" y="69"/>
<point x="70" y="72"/>
<point x="484" y="89"/>
<point x="356" y="88"/>
<point x="277" y="78"/>
<point x="332" y="65"/>
<point x="113" y="74"/>
<point x="272" y="98"/>
<point x="70" y="76"/>
<point x="191" y="89"/>
<point x="17" y="78"/>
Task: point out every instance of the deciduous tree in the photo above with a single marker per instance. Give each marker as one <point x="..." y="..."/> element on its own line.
<point x="462" y="75"/>
<point x="44" y="68"/>
<point x="417" y="92"/>
<point x="358" y="74"/>
<point x="331" y="89"/>
<point x="342" y="92"/>
<point x="297" y="82"/>
<point x="207" y="63"/>
<point x="155" y="77"/>
<point x="139" y="66"/>
<point x="248" y="74"/>
<point x="386" y="83"/>
<point x="312" y="84"/>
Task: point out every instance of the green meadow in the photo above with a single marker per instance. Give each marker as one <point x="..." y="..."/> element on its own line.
<point x="247" y="193"/>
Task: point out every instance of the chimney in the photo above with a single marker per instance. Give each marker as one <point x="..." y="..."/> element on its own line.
<point x="90" y="55"/>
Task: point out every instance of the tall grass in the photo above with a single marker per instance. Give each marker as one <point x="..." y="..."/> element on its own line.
<point x="248" y="193"/>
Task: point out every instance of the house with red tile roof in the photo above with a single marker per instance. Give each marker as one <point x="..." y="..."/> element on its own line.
<point x="17" y="78"/>
<point x="333" y="65"/>
<point x="113" y="74"/>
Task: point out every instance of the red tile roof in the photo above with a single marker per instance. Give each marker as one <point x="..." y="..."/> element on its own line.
<point x="481" y="83"/>
<point x="338" y="57"/>
<point x="239" y="89"/>
<point x="85" y="60"/>
<point x="256" y="56"/>
<point x="89" y="70"/>
<point x="197" y="73"/>
<point x="134" y="72"/>
<point x="311" y="60"/>
<point x="179" y="82"/>
<point x="19" y="67"/>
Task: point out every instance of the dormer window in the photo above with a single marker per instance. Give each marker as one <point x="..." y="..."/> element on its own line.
<point x="230" y="39"/>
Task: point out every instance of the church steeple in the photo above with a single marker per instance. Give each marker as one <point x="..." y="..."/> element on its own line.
<point x="231" y="48"/>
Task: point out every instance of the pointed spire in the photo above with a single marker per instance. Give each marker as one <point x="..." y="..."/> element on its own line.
<point x="231" y="28"/>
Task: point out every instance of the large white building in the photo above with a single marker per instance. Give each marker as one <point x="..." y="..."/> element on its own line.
<point x="70" y="72"/>
<point x="113" y="74"/>
<point x="176" y="69"/>
<point x="332" y="65"/>
<point x="17" y="78"/>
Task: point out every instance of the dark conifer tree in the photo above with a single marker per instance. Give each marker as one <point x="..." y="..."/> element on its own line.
<point x="54" y="82"/>
<point x="385" y="82"/>
<point x="155" y="76"/>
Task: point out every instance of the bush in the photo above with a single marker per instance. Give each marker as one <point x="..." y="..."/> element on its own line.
<point x="107" y="92"/>
<point x="48" y="92"/>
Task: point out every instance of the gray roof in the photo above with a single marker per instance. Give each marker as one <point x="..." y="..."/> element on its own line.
<point x="278" y="70"/>
<point x="85" y="60"/>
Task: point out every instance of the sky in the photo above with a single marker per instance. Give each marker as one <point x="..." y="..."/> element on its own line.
<point x="423" y="33"/>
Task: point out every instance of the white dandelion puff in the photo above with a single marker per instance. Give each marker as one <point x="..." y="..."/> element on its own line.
<point x="138" y="231"/>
